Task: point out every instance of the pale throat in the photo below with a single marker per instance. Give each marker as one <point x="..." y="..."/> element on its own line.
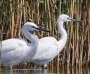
<point x="62" y="30"/>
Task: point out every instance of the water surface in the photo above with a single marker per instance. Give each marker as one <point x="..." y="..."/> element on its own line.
<point x="63" y="71"/>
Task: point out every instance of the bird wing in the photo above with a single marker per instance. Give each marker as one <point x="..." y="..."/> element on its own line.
<point x="14" y="57"/>
<point x="45" y="44"/>
<point x="47" y="50"/>
<point x="11" y="44"/>
<point x="45" y="47"/>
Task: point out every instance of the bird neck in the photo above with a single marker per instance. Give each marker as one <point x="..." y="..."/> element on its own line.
<point x="32" y="47"/>
<point x="62" y="31"/>
<point x="32" y="38"/>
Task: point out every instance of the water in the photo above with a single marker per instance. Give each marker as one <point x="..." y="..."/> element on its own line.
<point x="66" y="71"/>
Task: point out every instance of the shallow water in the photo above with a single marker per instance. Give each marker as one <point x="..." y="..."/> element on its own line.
<point x="66" y="71"/>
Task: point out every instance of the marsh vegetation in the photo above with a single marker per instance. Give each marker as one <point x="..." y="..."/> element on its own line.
<point x="13" y="14"/>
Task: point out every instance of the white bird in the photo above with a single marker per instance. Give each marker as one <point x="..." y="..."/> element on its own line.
<point x="48" y="47"/>
<point x="16" y="50"/>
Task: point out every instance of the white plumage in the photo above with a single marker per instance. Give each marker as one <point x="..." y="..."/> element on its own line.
<point x="48" y="47"/>
<point x="17" y="50"/>
<point x="39" y="51"/>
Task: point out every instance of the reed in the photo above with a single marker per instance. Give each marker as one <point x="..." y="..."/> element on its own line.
<point x="76" y="53"/>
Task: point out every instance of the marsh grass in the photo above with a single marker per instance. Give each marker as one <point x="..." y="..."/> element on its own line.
<point x="13" y="14"/>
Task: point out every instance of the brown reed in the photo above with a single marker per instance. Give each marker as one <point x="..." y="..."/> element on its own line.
<point x="76" y="53"/>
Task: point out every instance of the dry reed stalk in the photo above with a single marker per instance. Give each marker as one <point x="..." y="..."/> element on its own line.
<point x="12" y="19"/>
<point x="89" y="36"/>
<point x="76" y="37"/>
<point x="77" y="49"/>
<point x="19" y="17"/>
<point x="72" y="33"/>
<point x="37" y="11"/>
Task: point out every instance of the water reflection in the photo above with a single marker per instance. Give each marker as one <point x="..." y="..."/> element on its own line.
<point x="61" y="71"/>
<point x="25" y="72"/>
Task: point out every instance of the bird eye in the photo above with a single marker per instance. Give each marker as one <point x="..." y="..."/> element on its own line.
<point x="33" y="27"/>
<point x="68" y="18"/>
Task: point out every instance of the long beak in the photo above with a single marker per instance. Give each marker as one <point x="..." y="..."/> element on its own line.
<point x="45" y="30"/>
<point x="74" y="20"/>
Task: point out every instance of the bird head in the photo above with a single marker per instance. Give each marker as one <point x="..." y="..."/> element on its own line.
<point x="30" y="27"/>
<point x="66" y="18"/>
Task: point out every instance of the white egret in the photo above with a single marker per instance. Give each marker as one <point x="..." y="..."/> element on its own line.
<point x="16" y="50"/>
<point x="48" y="47"/>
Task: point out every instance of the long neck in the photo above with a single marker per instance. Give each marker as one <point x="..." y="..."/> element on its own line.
<point x="33" y="38"/>
<point x="33" y="45"/>
<point x="63" y="39"/>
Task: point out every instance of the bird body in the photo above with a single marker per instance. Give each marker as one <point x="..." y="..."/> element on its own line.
<point x="17" y="50"/>
<point x="48" y="47"/>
